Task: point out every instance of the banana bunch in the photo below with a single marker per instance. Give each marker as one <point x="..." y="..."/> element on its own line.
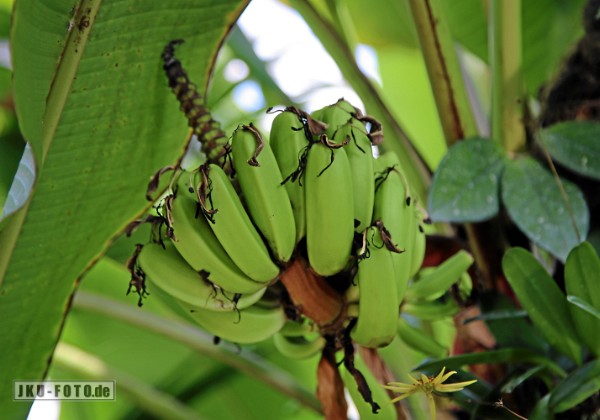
<point x="230" y="228"/>
<point x="304" y="237"/>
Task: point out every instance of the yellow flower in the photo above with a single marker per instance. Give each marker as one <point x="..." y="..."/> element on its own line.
<point x="428" y="385"/>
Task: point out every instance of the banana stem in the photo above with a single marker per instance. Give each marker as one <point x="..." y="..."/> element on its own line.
<point x="246" y="362"/>
<point x="150" y="399"/>
<point x="454" y="109"/>
<point x="507" y="80"/>
<point x="444" y="71"/>
<point x="313" y="296"/>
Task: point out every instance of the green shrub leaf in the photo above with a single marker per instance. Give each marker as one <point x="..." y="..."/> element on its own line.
<point x="536" y="205"/>
<point x="465" y="185"/>
<point x="542" y="299"/>
<point x="582" y="280"/>
<point x="575" y="145"/>
<point x="577" y="387"/>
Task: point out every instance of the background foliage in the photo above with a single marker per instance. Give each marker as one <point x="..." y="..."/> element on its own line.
<point x="89" y="96"/>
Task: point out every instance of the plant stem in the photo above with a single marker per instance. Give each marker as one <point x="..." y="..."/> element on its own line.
<point x="249" y="363"/>
<point x="456" y="116"/>
<point x="151" y="400"/>
<point x="396" y="138"/>
<point x="507" y="80"/>
<point x="444" y="71"/>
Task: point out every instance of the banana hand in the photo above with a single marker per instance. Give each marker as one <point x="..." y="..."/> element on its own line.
<point x="233" y="227"/>
<point x="168" y="271"/>
<point x="198" y="245"/>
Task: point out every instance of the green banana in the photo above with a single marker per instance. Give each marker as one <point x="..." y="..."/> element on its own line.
<point x="395" y="208"/>
<point x="288" y="141"/>
<point x="198" y="245"/>
<point x="465" y="285"/>
<point x="418" y="252"/>
<point x="329" y="209"/>
<point x="233" y="227"/>
<point x="166" y="269"/>
<point x="260" y="182"/>
<point x="360" y="157"/>
<point x="420" y="340"/>
<point x="379" y="394"/>
<point x="298" y="347"/>
<point x="299" y="328"/>
<point x="335" y="115"/>
<point x="248" y="326"/>
<point x="431" y="284"/>
<point x="378" y="299"/>
<point x="430" y="310"/>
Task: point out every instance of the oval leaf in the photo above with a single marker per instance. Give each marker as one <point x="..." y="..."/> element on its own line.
<point x="575" y="145"/>
<point x="542" y="299"/>
<point x="577" y="387"/>
<point x="536" y="205"/>
<point x="465" y="185"/>
<point x="582" y="281"/>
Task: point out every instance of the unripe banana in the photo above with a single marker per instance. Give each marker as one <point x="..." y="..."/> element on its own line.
<point x="378" y="299"/>
<point x="431" y="284"/>
<point x="299" y="328"/>
<point x="198" y="245"/>
<point x="418" y="253"/>
<point x="260" y="182"/>
<point x="361" y="159"/>
<point x="168" y="271"/>
<point x="298" y="347"/>
<point x="288" y="141"/>
<point x="379" y="394"/>
<point x="395" y="208"/>
<point x="420" y="340"/>
<point x="335" y="115"/>
<point x="251" y="325"/>
<point x="329" y="209"/>
<point x="232" y="226"/>
<point x="431" y="310"/>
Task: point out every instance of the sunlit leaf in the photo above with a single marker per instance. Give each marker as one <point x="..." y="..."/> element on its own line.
<point x="93" y="101"/>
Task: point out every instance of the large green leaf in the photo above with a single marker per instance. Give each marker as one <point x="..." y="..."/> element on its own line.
<point x="465" y="185"/>
<point x="542" y="299"/>
<point x="92" y="100"/>
<point x="537" y="206"/>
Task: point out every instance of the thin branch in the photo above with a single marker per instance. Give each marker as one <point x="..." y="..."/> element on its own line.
<point x="246" y="362"/>
<point x="444" y="71"/>
<point x="507" y="79"/>
<point x="151" y="400"/>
